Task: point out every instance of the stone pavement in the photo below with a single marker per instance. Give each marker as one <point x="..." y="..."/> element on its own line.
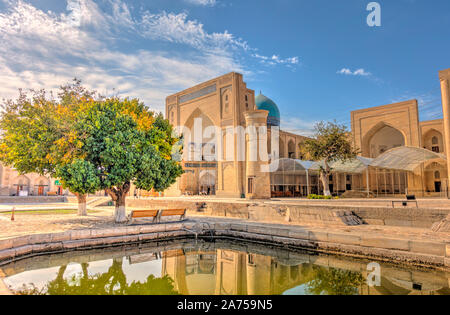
<point x="28" y="223"/>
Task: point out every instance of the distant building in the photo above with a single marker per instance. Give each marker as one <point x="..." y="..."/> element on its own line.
<point x="399" y="153"/>
<point x="379" y="132"/>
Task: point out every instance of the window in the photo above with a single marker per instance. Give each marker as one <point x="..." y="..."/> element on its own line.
<point x="437" y="175"/>
<point x="246" y="98"/>
<point x="434" y="140"/>
<point x="250" y="185"/>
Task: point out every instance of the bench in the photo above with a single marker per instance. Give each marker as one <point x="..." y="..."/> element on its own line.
<point x="409" y="199"/>
<point x="172" y="212"/>
<point x="157" y="214"/>
<point x="141" y="214"/>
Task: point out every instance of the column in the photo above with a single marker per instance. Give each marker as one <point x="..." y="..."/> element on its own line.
<point x="444" y="77"/>
<point x="257" y="180"/>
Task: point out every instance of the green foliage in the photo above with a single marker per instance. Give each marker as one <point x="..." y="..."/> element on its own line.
<point x="334" y="282"/>
<point x="30" y="131"/>
<point x="112" y="282"/>
<point x="128" y="143"/>
<point x="80" y="177"/>
<point x="321" y="197"/>
<point x="38" y="129"/>
<point x="331" y="143"/>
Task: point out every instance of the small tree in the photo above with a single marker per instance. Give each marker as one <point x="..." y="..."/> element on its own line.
<point x="127" y="143"/>
<point x="330" y="143"/>
<point x="81" y="178"/>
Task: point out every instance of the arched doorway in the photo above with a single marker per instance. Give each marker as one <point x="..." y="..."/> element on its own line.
<point x="207" y="183"/>
<point x="200" y="138"/>
<point x="433" y="141"/>
<point x="434" y="175"/>
<point x="21" y="186"/>
<point x="41" y="186"/>
<point x="382" y="138"/>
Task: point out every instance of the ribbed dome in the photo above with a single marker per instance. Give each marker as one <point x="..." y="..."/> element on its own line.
<point x="265" y="103"/>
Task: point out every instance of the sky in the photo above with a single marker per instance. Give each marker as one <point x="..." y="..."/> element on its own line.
<point x="318" y="60"/>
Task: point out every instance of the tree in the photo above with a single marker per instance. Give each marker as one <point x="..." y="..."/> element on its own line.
<point x="127" y="143"/>
<point x="334" y="281"/>
<point x="111" y="282"/>
<point x="330" y="143"/>
<point x="81" y="178"/>
<point x="38" y="134"/>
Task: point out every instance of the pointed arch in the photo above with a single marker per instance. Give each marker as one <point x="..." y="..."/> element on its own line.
<point x="381" y="138"/>
<point x="433" y="140"/>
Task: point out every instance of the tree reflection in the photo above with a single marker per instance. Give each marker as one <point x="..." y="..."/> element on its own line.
<point x="334" y="281"/>
<point x="112" y="282"/>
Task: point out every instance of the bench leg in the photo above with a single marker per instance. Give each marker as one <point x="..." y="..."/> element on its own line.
<point x="158" y="217"/>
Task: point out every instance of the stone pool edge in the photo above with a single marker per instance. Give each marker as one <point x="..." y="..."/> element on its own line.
<point x="433" y="254"/>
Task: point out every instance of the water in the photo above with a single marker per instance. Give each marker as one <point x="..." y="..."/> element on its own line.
<point x="220" y="268"/>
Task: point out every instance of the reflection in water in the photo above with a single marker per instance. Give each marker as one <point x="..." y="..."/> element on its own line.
<point x="220" y="268"/>
<point x="112" y="282"/>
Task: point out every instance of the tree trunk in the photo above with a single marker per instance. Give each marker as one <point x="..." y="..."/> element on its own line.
<point x="325" y="177"/>
<point x="82" y="208"/>
<point x="120" y="213"/>
<point x="119" y="196"/>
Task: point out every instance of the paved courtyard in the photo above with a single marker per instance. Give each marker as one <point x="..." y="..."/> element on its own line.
<point x="27" y="223"/>
<point x="30" y="223"/>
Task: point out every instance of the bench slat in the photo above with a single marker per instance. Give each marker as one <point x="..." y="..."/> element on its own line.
<point x="171" y="212"/>
<point x="144" y="213"/>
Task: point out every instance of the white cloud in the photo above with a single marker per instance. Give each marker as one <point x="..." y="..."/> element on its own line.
<point x="274" y="60"/>
<point x="178" y="29"/>
<point x="358" y="72"/>
<point x="203" y="2"/>
<point x="298" y="126"/>
<point x="44" y="50"/>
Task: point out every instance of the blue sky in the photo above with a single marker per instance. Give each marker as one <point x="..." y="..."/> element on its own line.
<point x="318" y="60"/>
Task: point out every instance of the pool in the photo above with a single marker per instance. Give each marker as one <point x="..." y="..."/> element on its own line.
<point x="222" y="267"/>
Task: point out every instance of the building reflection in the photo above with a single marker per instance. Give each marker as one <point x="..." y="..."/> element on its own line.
<point x="214" y="269"/>
<point x="229" y="272"/>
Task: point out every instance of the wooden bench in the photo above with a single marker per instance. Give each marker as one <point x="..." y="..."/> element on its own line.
<point x="142" y="214"/>
<point x="172" y="212"/>
<point x="157" y="214"/>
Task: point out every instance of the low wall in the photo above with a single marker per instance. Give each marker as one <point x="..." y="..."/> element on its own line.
<point x="281" y="213"/>
<point x="32" y="199"/>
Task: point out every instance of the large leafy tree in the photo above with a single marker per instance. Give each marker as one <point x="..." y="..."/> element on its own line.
<point x="127" y="143"/>
<point x="330" y="143"/>
<point x="39" y="136"/>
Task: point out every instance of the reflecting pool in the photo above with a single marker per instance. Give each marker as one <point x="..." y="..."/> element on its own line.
<point x="218" y="268"/>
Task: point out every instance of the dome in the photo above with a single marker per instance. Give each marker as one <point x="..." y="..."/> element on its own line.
<point x="265" y="103"/>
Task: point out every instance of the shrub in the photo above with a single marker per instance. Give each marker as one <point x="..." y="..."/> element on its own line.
<point x="321" y="197"/>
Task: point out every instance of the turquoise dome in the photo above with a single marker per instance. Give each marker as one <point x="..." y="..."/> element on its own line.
<point x="265" y="103"/>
